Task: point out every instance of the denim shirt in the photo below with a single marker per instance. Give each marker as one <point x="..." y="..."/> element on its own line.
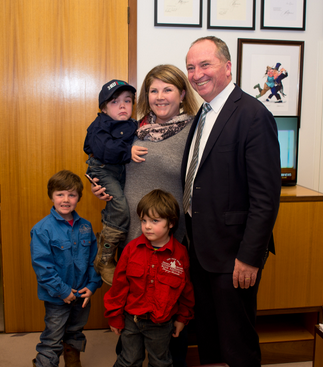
<point x="62" y="257"/>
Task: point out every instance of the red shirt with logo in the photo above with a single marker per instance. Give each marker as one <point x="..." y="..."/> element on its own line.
<point x="151" y="281"/>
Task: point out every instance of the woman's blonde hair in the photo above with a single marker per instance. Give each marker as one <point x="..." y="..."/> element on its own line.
<point x="169" y="74"/>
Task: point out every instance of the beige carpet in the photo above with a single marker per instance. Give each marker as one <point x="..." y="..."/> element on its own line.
<point x="17" y="350"/>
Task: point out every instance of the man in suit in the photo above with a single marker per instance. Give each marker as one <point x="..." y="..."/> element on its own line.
<point x="231" y="206"/>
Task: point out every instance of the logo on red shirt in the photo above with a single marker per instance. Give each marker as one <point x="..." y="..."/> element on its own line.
<point x="172" y="266"/>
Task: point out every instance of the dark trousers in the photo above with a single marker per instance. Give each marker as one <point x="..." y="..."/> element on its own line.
<point x="225" y="318"/>
<point x="144" y="334"/>
<point x="177" y="347"/>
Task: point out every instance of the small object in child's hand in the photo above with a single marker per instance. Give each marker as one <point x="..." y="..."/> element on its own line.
<point x="93" y="182"/>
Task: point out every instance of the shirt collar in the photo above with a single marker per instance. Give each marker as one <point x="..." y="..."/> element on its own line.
<point x="142" y="240"/>
<point x="58" y="217"/>
<point x="221" y="98"/>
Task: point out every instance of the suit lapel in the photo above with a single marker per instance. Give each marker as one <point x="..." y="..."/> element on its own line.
<point x="223" y="118"/>
<point x="188" y="144"/>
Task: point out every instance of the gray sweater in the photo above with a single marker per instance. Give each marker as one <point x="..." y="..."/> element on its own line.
<point x="161" y="170"/>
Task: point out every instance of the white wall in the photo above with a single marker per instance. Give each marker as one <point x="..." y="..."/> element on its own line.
<point x="158" y="45"/>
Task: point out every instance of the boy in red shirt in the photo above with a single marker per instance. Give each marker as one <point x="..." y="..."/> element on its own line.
<point x="151" y="297"/>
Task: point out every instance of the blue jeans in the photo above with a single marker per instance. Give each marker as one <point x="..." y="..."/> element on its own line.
<point x="141" y="335"/>
<point x="112" y="177"/>
<point x="63" y="323"/>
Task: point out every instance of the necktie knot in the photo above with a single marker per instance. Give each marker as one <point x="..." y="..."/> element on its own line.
<point x="206" y="108"/>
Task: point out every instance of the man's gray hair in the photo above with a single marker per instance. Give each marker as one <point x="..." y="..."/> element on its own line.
<point x="222" y="48"/>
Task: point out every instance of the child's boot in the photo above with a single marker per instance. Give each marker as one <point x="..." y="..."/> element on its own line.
<point x="108" y="241"/>
<point x="71" y="356"/>
<point x="105" y="264"/>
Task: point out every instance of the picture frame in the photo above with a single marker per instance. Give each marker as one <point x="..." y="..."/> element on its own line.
<point x="224" y="14"/>
<point x="272" y="71"/>
<point x="178" y="13"/>
<point x="283" y="14"/>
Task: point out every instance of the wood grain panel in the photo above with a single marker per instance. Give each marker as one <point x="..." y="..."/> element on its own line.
<point x="318" y="347"/>
<point x="297" y="351"/>
<point x="55" y="57"/>
<point x="271" y="353"/>
<point x="293" y="278"/>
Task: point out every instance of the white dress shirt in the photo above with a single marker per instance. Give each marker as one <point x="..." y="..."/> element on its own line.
<point x="217" y="103"/>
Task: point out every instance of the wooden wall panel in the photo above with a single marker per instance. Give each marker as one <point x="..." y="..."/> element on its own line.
<point x="55" y="56"/>
<point x="293" y="278"/>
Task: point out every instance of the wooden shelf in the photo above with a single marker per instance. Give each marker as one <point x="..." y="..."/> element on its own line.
<point x="281" y="328"/>
<point x="299" y="193"/>
<point x="290" y="311"/>
<point x="286" y="338"/>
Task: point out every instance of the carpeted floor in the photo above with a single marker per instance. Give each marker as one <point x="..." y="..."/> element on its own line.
<point x="17" y="350"/>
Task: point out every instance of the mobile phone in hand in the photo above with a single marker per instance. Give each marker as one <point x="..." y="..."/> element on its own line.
<point x="94" y="183"/>
<point x="91" y="180"/>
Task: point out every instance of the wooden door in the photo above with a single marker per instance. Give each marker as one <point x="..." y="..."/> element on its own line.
<point x="55" y="57"/>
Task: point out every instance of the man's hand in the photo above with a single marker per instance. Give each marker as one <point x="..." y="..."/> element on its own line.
<point x="244" y="275"/>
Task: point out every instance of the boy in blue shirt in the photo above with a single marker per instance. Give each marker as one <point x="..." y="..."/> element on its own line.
<point x="63" y="248"/>
<point x="108" y="143"/>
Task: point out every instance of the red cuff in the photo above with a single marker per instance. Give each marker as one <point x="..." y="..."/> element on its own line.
<point x="184" y="320"/>
<point x="116" y="321"/>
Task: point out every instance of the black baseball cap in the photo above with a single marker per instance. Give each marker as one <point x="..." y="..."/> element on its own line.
<point x="112" y="86"/>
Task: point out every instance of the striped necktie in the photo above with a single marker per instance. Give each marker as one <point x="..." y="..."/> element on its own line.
<point x="193" y="165"/>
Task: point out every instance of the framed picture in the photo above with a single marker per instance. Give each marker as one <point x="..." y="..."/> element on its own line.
<point x="283" y="14"/>
<point x="272" y="71"/>
<point x="178" y="13"/>
<point x="224" y="14"/>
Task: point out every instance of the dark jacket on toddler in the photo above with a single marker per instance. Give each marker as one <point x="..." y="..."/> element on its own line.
<point x="110" y="141"/>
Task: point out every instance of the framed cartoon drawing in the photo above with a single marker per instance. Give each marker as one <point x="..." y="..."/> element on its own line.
<point x="272" y="72"/>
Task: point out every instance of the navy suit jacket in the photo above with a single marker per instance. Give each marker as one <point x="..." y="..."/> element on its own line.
<point x="236" y="192"/>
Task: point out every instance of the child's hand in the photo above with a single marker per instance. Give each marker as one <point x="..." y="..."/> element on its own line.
<point x="136" y="152"/>
<point x="179" y="326"/>
<point x="86" y="295"/>
<point x="99" y="191"/>
<point x="116" y="331"/>
<point x="71" y="297"/>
